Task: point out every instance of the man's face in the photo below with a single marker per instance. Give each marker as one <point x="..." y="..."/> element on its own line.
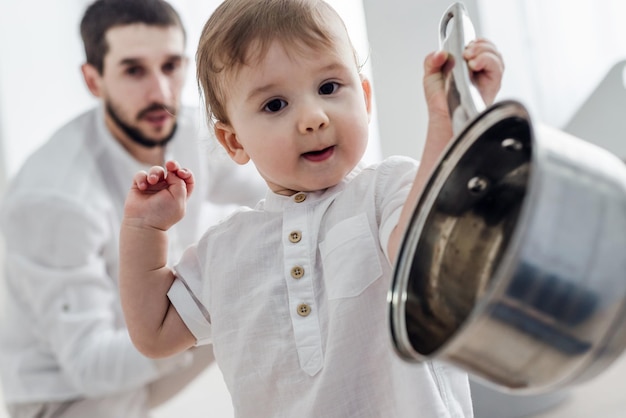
<point x="142" y="81"/>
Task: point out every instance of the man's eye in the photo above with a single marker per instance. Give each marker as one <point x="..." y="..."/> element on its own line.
<point x="134" y="71"/>
<point x="329" y="88"/>
<point x="170" y="67"/>
<point x="275" y="105"/>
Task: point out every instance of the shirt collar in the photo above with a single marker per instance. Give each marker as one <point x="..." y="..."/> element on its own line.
<point x="277" y="203"/>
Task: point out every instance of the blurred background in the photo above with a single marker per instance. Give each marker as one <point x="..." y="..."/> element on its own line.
<point x="564" y="61"/>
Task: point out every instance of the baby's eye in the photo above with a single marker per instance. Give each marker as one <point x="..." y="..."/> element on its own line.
<point x="275" y="105"/>
<point x="329" y="88"/>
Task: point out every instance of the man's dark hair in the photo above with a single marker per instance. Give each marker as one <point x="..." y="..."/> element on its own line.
<point x="103" y="15"/>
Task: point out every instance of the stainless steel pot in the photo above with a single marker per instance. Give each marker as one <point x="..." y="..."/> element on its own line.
<point x="514" y="264"/>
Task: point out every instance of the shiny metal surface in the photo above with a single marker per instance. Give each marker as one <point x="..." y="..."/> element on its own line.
<point x="514" y="264"/>
<point x="455" y="32"/>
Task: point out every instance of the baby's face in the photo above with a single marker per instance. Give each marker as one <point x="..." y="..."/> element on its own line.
<point x="301" y="116"/>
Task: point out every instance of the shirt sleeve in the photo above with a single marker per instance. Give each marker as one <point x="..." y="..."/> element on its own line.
<point x="393" y="186"/>
<point x="185" y="294"/>
<point x="59" y="261"/>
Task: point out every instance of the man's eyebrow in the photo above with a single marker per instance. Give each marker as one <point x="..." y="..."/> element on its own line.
<point x="137" y="61"/>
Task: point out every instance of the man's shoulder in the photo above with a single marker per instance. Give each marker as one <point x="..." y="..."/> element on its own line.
<point x="77" y="126"/>
<point x="65" y="143"/>
<point x="60" y="164"/>
<point x="62" y="147"/>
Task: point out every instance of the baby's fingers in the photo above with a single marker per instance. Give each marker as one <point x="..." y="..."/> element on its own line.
<point x="434" y="62"/>
<point x="483" y="55"/>
<point x="182" y="173"/>
<point x="156" y="174"/>
<point x="140" y="180"/>
<point x="145" y="180"/>
<point x="487" y="67"/>
<point x="481" y="46"/>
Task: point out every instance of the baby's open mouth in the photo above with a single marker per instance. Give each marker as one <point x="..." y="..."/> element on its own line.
<point x="320" y="155"/>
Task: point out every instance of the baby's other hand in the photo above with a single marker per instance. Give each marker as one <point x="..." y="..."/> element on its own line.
<point x="486" y="66"/>
<point x="157" y="179"/>
<point x="158" y="197"/>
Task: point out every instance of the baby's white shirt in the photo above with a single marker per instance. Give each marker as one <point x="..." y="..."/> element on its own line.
<point x="293" y="297"/>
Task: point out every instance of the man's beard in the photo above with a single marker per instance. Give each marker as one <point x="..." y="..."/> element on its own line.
<point x="135" y="134"/>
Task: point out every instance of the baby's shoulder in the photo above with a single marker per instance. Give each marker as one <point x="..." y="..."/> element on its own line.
<point x="388" y="170"/>
<point x="239" y="222"/>
<point x="395" y="162"/>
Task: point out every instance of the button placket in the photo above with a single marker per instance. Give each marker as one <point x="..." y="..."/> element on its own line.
<point x="299" y="277"/>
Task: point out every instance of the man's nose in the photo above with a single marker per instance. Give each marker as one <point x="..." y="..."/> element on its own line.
<point x="312" y="117"/>
<point x="159" y="88"/>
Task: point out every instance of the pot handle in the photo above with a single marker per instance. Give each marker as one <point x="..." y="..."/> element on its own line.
<point x="464" y="101"/>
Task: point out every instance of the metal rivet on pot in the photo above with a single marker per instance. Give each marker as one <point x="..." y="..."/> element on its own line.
<point x="478" y="184"/>
<point x="511" y="144"/>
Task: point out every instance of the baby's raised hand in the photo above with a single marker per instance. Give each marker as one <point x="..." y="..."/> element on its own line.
<point x="158" y="196"/>
<point x="486" y="66"/>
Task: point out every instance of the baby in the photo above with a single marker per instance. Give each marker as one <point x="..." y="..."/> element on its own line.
<point x="292" y="294"/>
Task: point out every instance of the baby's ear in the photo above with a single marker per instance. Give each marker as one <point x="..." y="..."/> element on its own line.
<point x="228" y="138"/>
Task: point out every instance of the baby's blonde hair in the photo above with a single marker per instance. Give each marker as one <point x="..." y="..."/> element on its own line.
<point x="238" y="25"/>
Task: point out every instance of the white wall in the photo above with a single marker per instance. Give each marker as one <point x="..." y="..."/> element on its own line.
<point x="2" y="154"/>
<point x="40" y="72"/>
<point x="401" y="34"/>
<point x="559" y="57"/>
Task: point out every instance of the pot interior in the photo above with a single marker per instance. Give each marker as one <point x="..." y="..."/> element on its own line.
<point x="473" y="205"/>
